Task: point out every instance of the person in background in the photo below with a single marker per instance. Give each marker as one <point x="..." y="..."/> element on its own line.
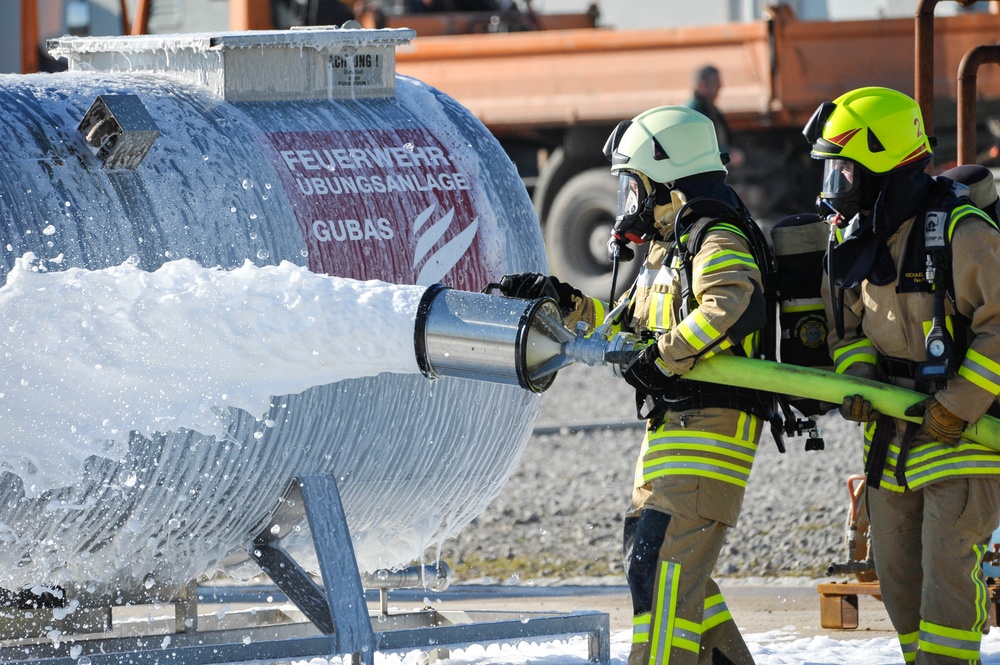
<point x="915" y="298"/>
<point x="417" y="6"/>
<point x="707" y="84"/>
<point x="700" y="440"/>
<point x="287" y="13"/>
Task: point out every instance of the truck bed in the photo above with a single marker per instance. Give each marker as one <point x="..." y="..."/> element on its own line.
<point x="775" y="71"/>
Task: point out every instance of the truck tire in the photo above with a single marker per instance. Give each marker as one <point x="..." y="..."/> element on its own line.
<point x="577" y="231"/>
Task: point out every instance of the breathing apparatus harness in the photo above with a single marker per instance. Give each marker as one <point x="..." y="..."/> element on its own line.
<point x="928" y="254"/>
<point x="927" y="267"/>
<point x="685" y="395"/>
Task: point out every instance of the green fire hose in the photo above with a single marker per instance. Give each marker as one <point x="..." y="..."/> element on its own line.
<point x="826" y="386"/>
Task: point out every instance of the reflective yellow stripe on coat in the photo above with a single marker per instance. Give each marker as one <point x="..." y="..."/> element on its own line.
<point x="661" y="298"/>
<point x="684" y="452"/>
<point x="861" y="351"/>
<point x="981" y="371"/>
<point x="933" y="461"/>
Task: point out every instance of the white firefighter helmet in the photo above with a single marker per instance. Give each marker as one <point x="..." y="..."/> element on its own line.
<point x="664" y="144"/>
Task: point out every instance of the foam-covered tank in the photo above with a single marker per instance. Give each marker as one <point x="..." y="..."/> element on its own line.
<point x="299" y="146"/>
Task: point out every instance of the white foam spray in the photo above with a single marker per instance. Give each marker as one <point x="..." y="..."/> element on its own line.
<point x="92" y="355"/>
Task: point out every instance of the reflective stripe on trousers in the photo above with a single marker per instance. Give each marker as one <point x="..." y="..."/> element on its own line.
<point x="667" y="631"/>
<point x="960" y="645"/>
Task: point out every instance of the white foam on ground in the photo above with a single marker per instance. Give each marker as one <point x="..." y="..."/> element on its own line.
<point x="778" y="647"/>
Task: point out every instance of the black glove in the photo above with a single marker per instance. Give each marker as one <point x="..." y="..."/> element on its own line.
<point x="644" y="374"/>
<point x="858" y="409"/>
<point x="531" y="285"/>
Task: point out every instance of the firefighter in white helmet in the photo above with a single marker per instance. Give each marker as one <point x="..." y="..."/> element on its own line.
<point x="916" y="301"/>
<point x="694" y="297"/>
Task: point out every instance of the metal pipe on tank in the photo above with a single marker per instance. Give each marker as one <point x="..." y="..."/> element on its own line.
<point x="432" y="576"/>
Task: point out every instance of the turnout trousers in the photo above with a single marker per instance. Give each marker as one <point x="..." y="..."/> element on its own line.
<point x="929" y="545"/>
<point x="680" y="616"/>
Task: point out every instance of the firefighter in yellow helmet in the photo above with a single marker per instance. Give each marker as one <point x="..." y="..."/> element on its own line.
<point x="916" y="301"/>
<point x="699" y="293"/>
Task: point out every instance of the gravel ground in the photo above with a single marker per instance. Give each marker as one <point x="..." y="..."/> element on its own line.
<point x="560" y="515"/>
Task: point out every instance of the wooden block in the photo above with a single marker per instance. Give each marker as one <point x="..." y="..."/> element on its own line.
<point x="838" y="603"/>
<point x="839" y="612"/>
<point x="994" y="605"/>
<point x="853" y="588"/>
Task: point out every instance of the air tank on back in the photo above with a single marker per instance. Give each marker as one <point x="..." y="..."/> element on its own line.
<point x="299" y="146"/>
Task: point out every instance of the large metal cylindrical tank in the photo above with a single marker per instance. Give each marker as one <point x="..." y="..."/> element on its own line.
<point x="298" y="146"/>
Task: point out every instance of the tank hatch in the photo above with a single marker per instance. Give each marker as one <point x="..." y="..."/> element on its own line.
<point x="271" y="65"/>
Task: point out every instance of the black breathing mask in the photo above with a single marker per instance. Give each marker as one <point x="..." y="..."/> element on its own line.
<point x="634" y="221"/>
<point x="847" y="188"/>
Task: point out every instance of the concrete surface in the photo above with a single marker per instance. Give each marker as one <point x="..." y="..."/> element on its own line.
<point x="757" y="607"/>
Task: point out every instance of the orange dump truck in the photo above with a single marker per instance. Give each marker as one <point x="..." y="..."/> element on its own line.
<point x="552" y="97"/>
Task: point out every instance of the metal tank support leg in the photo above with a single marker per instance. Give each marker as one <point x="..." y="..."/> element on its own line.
<point x="338" y="610"/>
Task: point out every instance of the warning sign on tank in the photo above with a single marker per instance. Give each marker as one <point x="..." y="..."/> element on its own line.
<point x="365" y="68"/>
<point x="387" y="205"/>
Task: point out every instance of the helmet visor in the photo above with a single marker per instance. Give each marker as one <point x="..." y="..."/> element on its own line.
<point x="631" y="195"/>
<point x="839" y="177"/>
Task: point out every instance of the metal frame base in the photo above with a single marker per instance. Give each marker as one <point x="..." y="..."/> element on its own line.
<point x="330" y="621"/>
